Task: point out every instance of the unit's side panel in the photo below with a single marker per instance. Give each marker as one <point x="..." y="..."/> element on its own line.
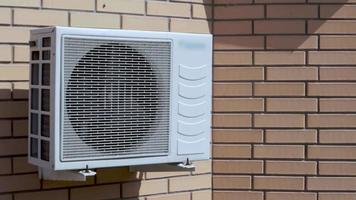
<point x="40" y="98"/>
<point x="56" y="74"/>
<point x="192" y="121"/>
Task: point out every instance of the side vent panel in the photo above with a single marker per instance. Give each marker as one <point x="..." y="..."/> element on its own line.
<point x="39" y="122"/>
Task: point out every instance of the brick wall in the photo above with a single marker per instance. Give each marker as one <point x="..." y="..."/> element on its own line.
<point x="284" y="100"/>
<point x="284" y="124"/>
<point x="18" y="180"/>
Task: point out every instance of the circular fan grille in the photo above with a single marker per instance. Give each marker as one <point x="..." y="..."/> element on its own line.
<point x="116" y="102"/>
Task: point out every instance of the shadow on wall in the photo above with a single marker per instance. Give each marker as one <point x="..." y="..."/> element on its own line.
<point x="14" y="105"/>
<point x="209" y="9"/>
<point x="286" y="27"/>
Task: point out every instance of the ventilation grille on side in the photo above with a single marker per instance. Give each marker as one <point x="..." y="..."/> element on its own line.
<point x="40" y="113"/>
<point x="116" y="98"/>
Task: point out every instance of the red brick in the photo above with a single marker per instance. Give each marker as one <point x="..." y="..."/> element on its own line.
<point x="291" y="195"/>
<point x="332" y="183"/>
<point x="5" y="166"/>
<point x="232" y="27"/>
<point x="238" y="166"/>
<point x="168" y="9"/>
<point x="279" y="89"/>
<point x="133" y="189"/>
<point x="332" y="89"/>
<point x="40" y="17"/>
<point x="13" y="146"/>
<point x="338" y="42"/>
<point x="190" y="183"/>
<point x="279" y="182"/>
<point x="331" y="152"/>
<point x="231" y="182"/>
<point x="292" y="11"/>
<point x="239" y="12"/>
<point x="231" y="151"/>
<point x="123" y="6"/>
<point x="176" y="196"/>
<point x="228" y="2"/>
<point x="231" y="120"/>
<point x="331" y="120"/>
<point x="6" y="197"/>
<point x="238" y="73"/>
<point x="338" y="105"/>
<point x="237" y="104"/>
<point x="278" y="151"/>
<point x="291" y="167"/>
<point x="238" y="195"/>
<point x="337" y="136"/>
<point x="302" y="136"/>
<point x="5" y="127"/>
<point x="232" y="58"/>
<point x="280" y="58"/>
<point x="280" y="1"/>
<point x="332" y="57"/>
<point x="19" y="182"/>
<point x="332" y="26"/>
<point x="338" y="11"/>
<point x="117" y="174"/>
<point x="67" y="4"/>
<point x="201" y="11"/>
<point x="292" y="105"/>
<point x="292" y="73"/>
<point x="232" y="89"/>
<point x="237" y="136"/>
<point x="338" y="73"/>
<point x="5" y="90"/>
<point x="190" y="25"/>
<point x="21" y="165"/>
<point x="51" y="184"/>
<point x="338" y="196"/>
<point x="202" y="167"/>
<point x="238" y="42"/>
<point x="337" y="168"/>
<point x="279" y="120"/>
<point x="20" y="127"/>
<point x="43" y="195"/>
<point x="292" y="42"/>
<point x="20" y="3"/>
<point x="96" y="192"/>
<point x="20" y="90"/>
<point x="279" y="26"/>
<point x="11" y="109"/>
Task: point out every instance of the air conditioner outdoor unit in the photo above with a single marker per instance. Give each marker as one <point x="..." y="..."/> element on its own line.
<point x="104" y="98"/>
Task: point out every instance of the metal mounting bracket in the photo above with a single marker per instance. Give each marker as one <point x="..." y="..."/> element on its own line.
<point x="184" y="166"/>
<point x="187" y="164"/>
<point x="67" y="175"/>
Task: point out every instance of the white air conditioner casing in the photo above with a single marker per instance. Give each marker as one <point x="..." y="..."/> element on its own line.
<point x="105" y="98"/>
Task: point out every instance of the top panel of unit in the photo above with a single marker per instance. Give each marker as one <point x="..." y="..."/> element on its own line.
<point x="116" y="32"/>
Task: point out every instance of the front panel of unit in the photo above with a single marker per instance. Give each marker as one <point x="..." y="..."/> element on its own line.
<point x="115" y="98"/>
<point x="39" y="101"/>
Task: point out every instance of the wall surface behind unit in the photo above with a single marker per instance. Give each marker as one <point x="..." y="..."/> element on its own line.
<point x="284" y="100"/>
<point x="18" y="180"/>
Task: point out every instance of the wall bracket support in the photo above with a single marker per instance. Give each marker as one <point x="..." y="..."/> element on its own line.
<point x="65" y="175"/>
